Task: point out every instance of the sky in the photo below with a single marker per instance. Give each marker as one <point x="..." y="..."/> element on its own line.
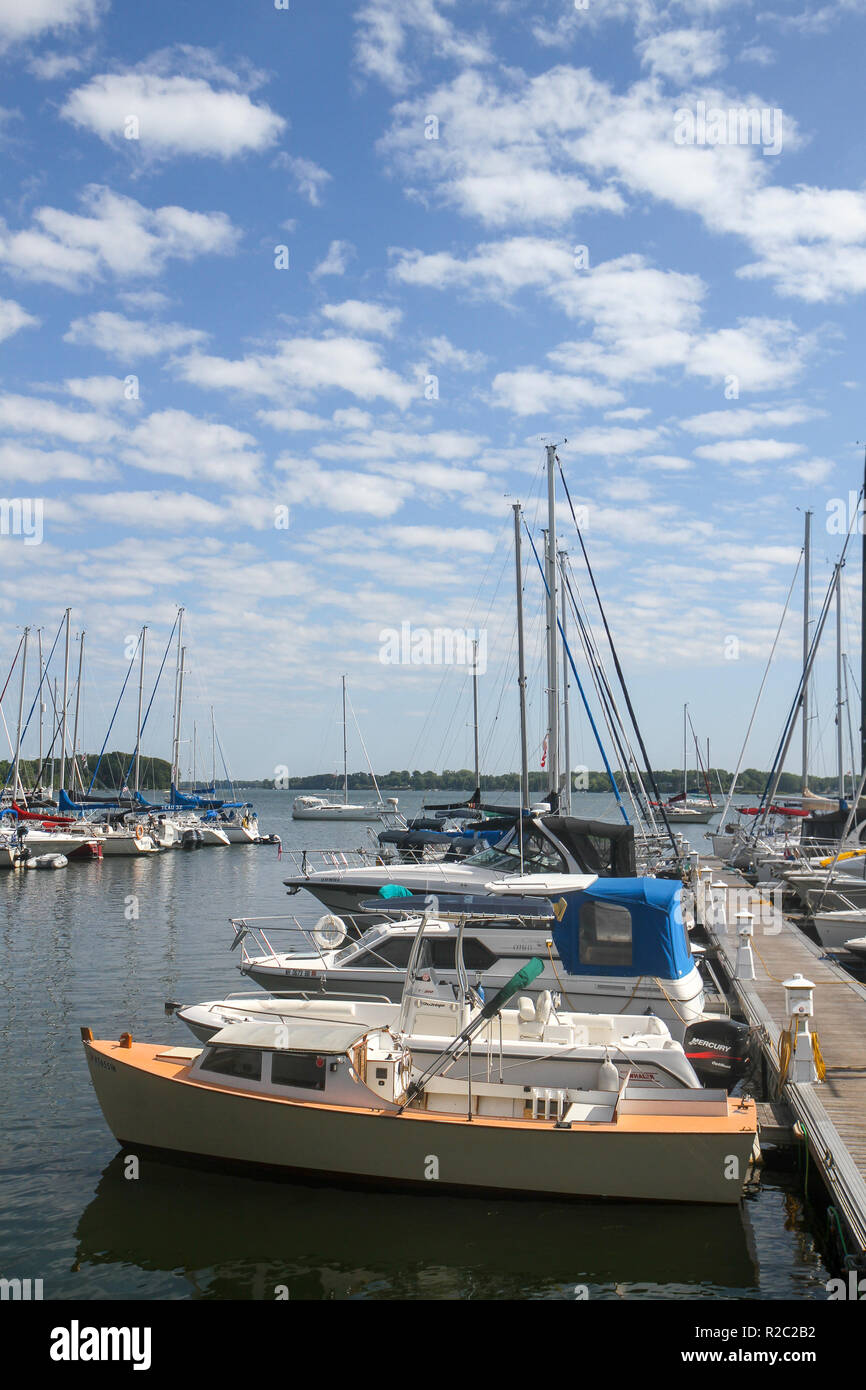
<point x="293" y="296"/>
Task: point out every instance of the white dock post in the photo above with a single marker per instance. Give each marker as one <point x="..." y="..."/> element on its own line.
<point x="719" y="893"/>
<point x="800" y="1006"/>
<point x="745" y="967"/>
<point x="703" y="896"/>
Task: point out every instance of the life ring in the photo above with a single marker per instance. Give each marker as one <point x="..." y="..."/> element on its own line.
<point x="329" y="932"/>
<point x="245" y="822"/>
<point x="139" y="831"/>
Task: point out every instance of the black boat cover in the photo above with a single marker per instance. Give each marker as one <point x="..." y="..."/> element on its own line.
<point x="600" y="847"/>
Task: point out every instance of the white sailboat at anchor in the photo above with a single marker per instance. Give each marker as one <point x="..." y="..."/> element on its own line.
<point x="320" y="808"/>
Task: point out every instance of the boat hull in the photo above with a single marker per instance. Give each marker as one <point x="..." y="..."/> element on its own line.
<point x="675" y="1159"/>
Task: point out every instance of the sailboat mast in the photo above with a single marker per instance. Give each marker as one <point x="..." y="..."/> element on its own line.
<point x="179" y="710"/>
<point x="685" y="751"/>
<point x="212" y="749"/>
<point x="140" y="704"/>
<point x="16" y="779"/>
<point x="566" y="746"/>
<point x="41" y="700"/>
<point x="475" y="712"/>
<point x="65" y="699"/>
<point x="345" y="751"/>
<point x="807" y="587"/>
<point x="863" y="628"/>
<point x="552" y="637"/>
<point x="175" y="717"/>
<point x="839" y="753"/>
<point x="77" y="710"/>
<point x="521" y="664"/>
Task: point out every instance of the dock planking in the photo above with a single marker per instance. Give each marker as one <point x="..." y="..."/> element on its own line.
<point x="832" y="1112"/>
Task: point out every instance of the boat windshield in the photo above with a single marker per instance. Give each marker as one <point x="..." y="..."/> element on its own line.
<point x="370" y="938"/>
<point x="539" y="854"/>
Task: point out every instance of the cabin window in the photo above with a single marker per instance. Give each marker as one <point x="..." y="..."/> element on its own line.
<point x="605" y="934"/>
<point x="298" y="1069"/>
<point x="394" y="952"/>
<point x="245" y="1062"/>
<point x="475" y="954"/>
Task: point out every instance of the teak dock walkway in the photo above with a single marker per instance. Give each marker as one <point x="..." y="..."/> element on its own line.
<point x="832" y="1113"/>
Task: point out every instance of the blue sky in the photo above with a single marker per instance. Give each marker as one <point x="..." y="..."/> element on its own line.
<point x="703" y="356"/>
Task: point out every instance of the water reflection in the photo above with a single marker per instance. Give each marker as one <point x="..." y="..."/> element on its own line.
<point x="230" y="1237"/>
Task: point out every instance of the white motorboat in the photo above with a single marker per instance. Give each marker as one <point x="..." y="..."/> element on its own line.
<point x="319" y="808"/>
<point x="620" y="948"/>
<point x="836" y="929"/>
<point x="550" y="845"/>
<point x="560" y="1047"/>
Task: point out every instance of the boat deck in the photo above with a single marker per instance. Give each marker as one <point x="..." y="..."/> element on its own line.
<point x="832" y="1113"/>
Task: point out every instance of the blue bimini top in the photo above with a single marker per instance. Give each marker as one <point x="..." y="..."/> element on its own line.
<point x="625" y="926"/>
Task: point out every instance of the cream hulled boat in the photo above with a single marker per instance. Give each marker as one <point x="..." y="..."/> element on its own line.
<point x="340" y="1101"/>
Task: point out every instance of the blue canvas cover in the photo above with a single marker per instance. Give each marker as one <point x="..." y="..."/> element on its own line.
<point x="659" y="940"/>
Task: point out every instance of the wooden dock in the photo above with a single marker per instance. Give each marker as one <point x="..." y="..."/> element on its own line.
<point x="832" y="1113"/>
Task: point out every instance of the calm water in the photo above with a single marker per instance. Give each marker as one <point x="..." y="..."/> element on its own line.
<point x="69" y="956"/>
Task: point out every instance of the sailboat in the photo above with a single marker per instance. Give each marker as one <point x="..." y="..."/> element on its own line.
<point x="320" y="808"/>
<point x="684" y="809"/>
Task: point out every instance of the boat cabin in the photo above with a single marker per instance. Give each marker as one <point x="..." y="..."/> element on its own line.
<point x="319" y="1060"/>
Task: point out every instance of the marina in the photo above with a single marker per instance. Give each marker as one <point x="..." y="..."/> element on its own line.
<point x="432" y="674"/>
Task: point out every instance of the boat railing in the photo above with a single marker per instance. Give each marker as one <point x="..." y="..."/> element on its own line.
<point x="303" y="938"/>
<point x="238" y="996"/>
<point x="310" y="861"/>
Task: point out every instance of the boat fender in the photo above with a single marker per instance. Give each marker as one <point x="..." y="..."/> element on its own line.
<point x="608" y="1076"/>
<point x="329" y="932"/>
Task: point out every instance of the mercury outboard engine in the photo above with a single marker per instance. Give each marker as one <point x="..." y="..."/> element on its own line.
<point x="720" y="1050"/>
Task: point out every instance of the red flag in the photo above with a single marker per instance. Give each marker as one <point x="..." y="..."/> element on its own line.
<point x="544" y="752"/>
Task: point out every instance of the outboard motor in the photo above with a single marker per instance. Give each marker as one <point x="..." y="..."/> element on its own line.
<point x="720" y="1050"/>
<point x="191" y="839"/>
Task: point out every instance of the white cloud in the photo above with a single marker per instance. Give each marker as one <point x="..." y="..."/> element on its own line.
<point x="20" y="20"/>
<point x="304" y="366"/>
<point x="375" y="445"/>
<point x="335" y="262"/>
<point x="761" y="353"/>
<point x="114" y="236"/>
<point x="443" y="353"/>
<point x="13" y="318"/>
<point x="32" y="415"/>
<point x="310" y="178"/>
<point x="48" y="67"/>
<point x="19" y="461"/>
<point x="388" y="28"/>
<point x="166" y="512"/>
<point x="533" y="392"/>
<point x="130" y="338"/>
<point x="521" y="150"/>
<point x="173" y="441"/>
<point x="291" y="420"/>
<point x="339" y="490"/>
<point x="683" y="54"/>
<point x="747" y="451"/>
<point x="100" y="391"/>
<point x="736" y="421"/>
<point x="358" y="316"/>
<point x="174" y="114"/>
<point x="500" y="157"/>
<point x="667" y="463"/>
